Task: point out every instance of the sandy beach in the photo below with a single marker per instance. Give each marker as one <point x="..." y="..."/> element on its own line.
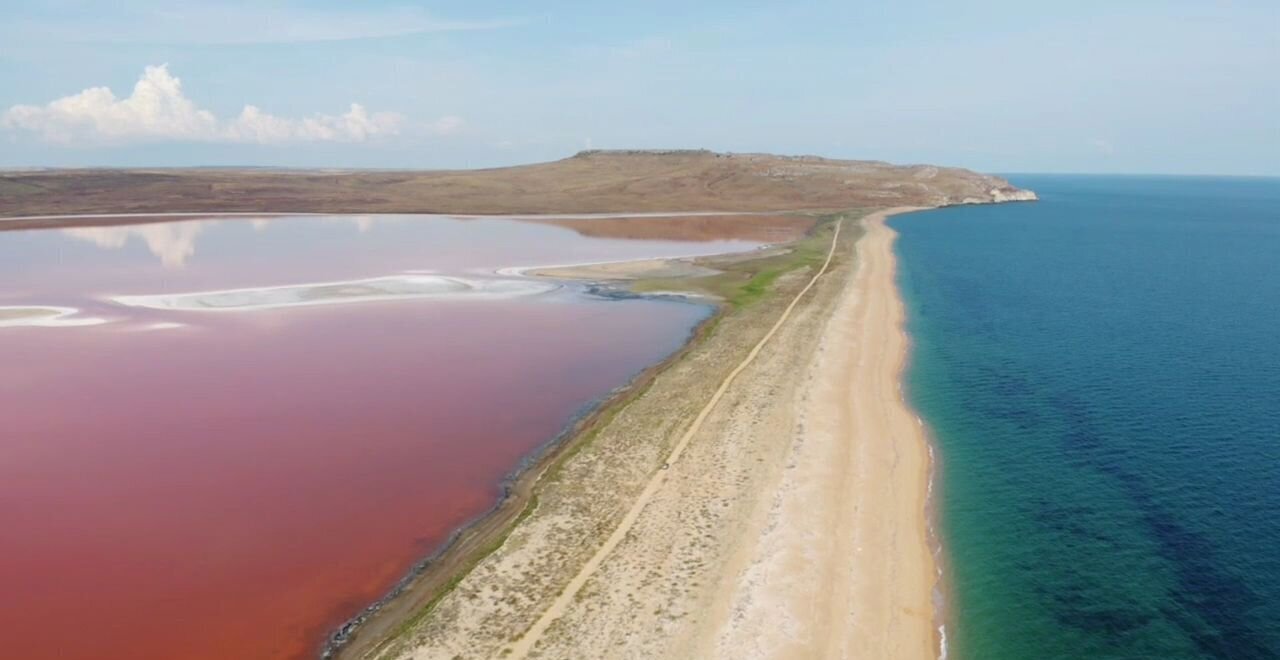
<point x="764" y="497"/>
<point x="837" y="563"/>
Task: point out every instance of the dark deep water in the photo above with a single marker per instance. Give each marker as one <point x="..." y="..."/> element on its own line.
<point x="1101" y="371"/>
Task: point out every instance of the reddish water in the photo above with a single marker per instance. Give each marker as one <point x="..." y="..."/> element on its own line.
<point x="238" y="487"/>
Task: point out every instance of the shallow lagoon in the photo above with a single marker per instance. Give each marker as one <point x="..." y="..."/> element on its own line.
<point x="198" y="480"/>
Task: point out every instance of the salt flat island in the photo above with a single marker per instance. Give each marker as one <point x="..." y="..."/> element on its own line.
<point x="657" y="417"/>
<point x="387" y="288"/>
<point x="42" y="317"/>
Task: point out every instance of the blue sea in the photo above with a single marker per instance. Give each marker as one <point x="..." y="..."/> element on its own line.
<point x="1100" y="371"/>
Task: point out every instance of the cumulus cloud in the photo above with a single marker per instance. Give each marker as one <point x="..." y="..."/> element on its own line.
<point x="159" y="110"/>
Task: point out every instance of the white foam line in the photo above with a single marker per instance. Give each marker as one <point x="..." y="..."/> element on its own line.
<point x="939" y="595"/>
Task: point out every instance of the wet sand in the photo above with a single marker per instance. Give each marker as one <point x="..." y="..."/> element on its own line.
<point x="764" y="498"/>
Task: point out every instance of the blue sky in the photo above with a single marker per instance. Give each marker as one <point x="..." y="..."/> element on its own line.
<point x="1160" y="86"/>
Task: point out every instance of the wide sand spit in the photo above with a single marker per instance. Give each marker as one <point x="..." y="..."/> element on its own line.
<point x="786" y="518"/>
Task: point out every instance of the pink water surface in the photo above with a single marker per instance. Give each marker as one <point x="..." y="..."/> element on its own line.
<point x="239" y="486"/>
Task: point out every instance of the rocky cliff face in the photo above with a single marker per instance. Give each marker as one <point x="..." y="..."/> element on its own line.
<point x="1013" y="195"/>
<point x="1001" y="195"/>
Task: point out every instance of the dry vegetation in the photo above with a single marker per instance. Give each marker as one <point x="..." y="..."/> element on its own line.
<point x="629" y="181"/>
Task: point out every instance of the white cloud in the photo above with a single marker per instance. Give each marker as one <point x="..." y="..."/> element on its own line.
<point x="159" y="110"/>
<point x="357" y="125"/>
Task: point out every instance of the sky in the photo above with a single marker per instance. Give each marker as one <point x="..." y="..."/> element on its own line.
<point x="1136" y="86"/>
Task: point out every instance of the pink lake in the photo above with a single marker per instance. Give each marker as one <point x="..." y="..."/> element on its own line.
<point x="187" y="475"/>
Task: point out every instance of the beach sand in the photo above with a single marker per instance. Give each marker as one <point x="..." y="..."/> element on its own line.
<point x="838" y="563"/>
<point x="765" y="497"/>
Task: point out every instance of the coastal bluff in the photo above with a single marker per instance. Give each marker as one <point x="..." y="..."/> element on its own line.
<point x="595" y="181"/>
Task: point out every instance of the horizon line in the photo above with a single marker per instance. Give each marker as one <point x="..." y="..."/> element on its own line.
<point x="19" y="169"/>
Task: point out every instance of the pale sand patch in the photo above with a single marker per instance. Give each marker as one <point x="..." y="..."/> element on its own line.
<point x="395" y="287"/>
<point x="44" y="317"/>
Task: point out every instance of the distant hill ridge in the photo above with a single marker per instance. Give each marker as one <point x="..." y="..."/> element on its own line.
<point x="586" y="153"/>
<point x="589" y="153"/>
<point x="592" y="181"/>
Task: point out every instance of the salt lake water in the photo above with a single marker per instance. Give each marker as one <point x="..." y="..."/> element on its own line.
<point x="222" y="438"/>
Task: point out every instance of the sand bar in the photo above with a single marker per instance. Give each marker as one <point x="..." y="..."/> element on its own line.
<point x="836" y="548"/>
<point x="766" y="505"/>
<point x="841" y="558"/>
<point x="44" y="317"/>
<point x="394" y="287"/>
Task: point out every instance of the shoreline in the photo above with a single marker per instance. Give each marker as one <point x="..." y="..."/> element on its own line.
<point x="939" y="592"/>
<point x="549" y="271"/>
<point x="932" y="514"/>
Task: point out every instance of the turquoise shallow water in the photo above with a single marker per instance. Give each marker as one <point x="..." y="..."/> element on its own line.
<point x="1101" y="371"/>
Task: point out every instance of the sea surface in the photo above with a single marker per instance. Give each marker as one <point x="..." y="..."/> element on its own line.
<point x="1101" y="374"/>
<point x="184" y="482"/>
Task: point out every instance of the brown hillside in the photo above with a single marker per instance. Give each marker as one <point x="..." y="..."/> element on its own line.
<point x="593" y="181"/>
